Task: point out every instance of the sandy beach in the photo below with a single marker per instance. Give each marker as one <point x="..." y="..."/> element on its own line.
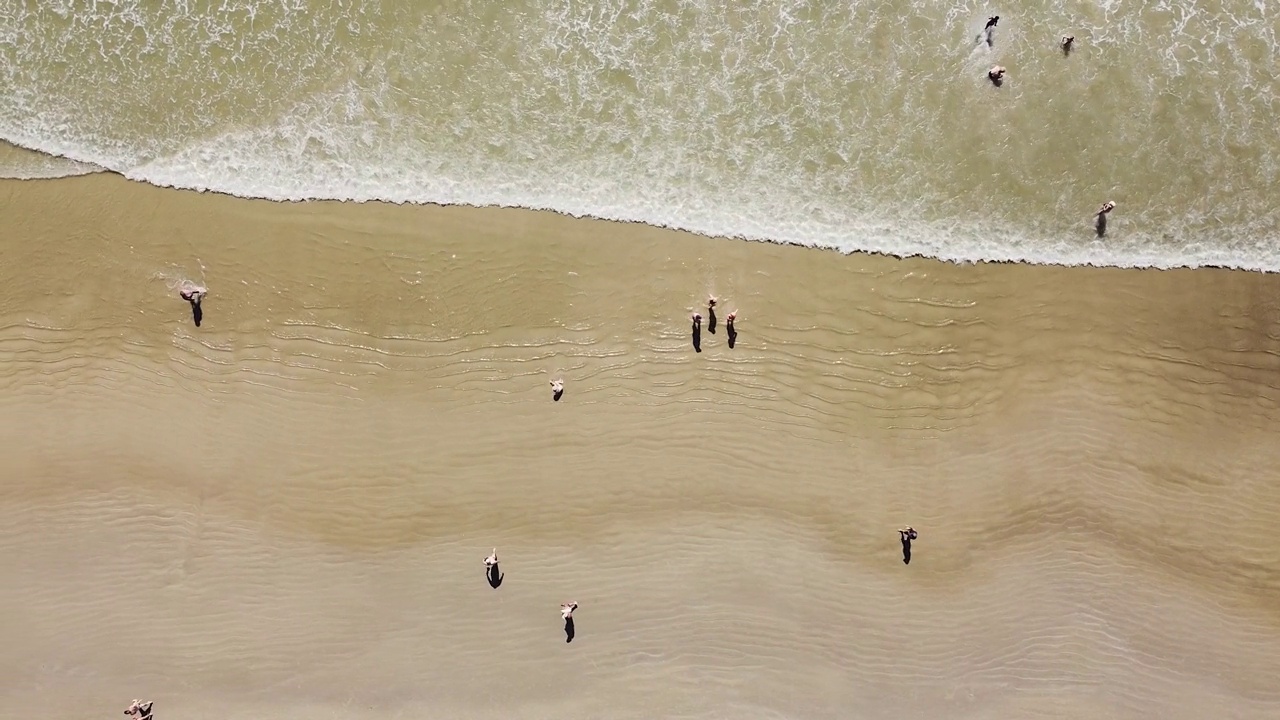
<point x="283" y="513"/>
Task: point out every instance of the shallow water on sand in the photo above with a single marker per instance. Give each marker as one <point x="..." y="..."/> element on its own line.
<point x="283" y="512"/>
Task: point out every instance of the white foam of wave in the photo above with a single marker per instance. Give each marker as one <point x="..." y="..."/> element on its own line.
<point x="708" y="154"/>
<point x="301" y="159"/>
<point x="268" y="164"/>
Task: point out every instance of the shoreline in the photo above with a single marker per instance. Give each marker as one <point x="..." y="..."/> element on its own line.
<point x="826" y="247"/>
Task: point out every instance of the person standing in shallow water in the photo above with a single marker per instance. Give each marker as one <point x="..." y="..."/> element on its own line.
<point x="566" y="614"/>
<point x="907" y="534"/>
<point x="193" y="294"/>
<point x="491" y="570"/>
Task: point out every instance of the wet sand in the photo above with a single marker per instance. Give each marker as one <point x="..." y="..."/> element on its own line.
<point x="284" y="512"/>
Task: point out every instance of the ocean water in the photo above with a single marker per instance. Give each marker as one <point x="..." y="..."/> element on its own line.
<point x="854" y="125"/>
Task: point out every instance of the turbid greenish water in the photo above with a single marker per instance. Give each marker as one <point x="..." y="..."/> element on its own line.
<point x="855" y="125"/>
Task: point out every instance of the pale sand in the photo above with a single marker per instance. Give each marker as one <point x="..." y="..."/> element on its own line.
<point x="284" y="513"/>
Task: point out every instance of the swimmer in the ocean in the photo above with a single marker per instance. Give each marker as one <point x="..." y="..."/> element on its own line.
<point x="907" y="534"/>
<point x="140" y="710"/>
<point x="557" y="389"/>
<point x="1067" y="42"/>
<point x="996" y="75"/>
<point x="988" y="31"/>
<point x="1100" y="221"/>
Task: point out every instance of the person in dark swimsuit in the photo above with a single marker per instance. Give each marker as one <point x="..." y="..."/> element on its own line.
<point x="907" y="534"/>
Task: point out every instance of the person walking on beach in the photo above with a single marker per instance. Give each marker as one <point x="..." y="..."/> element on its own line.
<point x="491" y="571"/>
<point x="557" y="389"/>
<point x="139" y="710"/>
<point x="907" y="534"/>
<point x="728" y="328"/>
<point x="697" y="332"/>
<point x="711" y="314"/>
<point x="996" y="75"/>
<point x="1067" y="42"/>
<point x="566" y="613"/>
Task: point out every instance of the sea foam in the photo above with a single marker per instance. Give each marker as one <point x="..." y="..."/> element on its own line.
<point x="835" y="127"/>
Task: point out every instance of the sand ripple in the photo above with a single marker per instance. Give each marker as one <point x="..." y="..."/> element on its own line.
<point x="284" y="511"/>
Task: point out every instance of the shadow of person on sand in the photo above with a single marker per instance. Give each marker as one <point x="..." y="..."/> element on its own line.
<point x="568" y="629"/>
<point x="1100" y="225"/>
<point x="697" y="332"/>
<point x="196" y="313"/>
<point x="494" y="575"/>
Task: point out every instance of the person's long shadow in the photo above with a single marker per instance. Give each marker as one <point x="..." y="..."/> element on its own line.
<point x="1101" y="225"/>
<point x="733" y="334"/>
<point x="697" y="334"/>
<point x="196" y="313"/>
<point x="568" y="629"/>
<point x="711" y="319"/>
<point x="495" y="577"/>
<point x="906" y="548"/>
